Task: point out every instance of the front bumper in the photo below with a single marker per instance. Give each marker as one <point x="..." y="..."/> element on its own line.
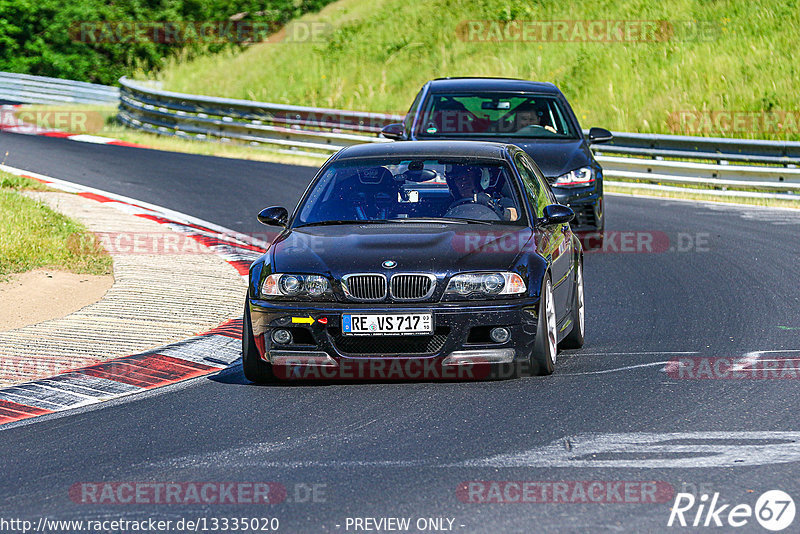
<point x="586" y="202"/>
<point x="460" y="338"/>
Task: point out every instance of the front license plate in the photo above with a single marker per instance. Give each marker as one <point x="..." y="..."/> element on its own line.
<point x="406" y="324"/>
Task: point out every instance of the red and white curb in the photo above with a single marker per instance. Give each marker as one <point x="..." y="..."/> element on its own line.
<point x="197" y="356"/>
<point x="200" y="355"/>
<point x="11" y="124"/>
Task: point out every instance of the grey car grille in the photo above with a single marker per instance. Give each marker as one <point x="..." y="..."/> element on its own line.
<point x="373" y="287"/>
<point x="412" y="286"/>
<point x="364" y="286"/>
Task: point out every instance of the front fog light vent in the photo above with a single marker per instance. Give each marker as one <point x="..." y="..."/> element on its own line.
<point x="282" y="336"/>
<point x="499" y="335"/>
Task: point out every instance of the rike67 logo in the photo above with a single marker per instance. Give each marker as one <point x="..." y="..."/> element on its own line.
<point x="774" y="510"/>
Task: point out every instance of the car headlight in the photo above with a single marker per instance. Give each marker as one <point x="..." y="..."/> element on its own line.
<point x="296" y="285"/>
<point x="478" y="285"/>
<point x="576" y="178"/>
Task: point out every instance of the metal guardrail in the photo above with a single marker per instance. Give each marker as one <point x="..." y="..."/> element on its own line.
<point x="638" y="160"/>
<point x="27" y="89"/>
<point x="691" y="173"/>
<point x="719" y="149"/>
<point x="320" y="129"/>
<point x="634" y="158"/>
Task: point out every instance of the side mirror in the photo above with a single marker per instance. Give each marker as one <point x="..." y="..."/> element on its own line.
<point x="599" y="135"/>
<point x="274" y="216"/>
<point x="556" y="214"/>
<point x="393" y="131"/>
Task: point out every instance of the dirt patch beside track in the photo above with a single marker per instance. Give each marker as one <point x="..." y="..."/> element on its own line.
<point x="44" y="294"/>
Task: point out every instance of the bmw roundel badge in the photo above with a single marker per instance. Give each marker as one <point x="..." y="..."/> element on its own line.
<point x="389" y="264"/>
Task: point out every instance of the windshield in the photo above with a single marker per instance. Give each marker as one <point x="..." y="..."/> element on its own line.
<point x="377" y="190"/>
<point x="490" y="115"/>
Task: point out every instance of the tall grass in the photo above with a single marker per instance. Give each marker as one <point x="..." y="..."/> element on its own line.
<point x="380" y="52"/>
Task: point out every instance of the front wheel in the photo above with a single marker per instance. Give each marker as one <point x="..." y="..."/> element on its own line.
<point x="544" y="353"/>
<point x="255" y="369"/>
<point x="575" y="338"/>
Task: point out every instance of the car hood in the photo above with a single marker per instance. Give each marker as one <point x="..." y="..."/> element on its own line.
<point x="435" y="248"/>
<point x="556" y="157"/>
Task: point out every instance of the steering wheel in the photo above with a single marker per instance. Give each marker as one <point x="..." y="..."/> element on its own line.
<point x="533" y="127"/>
<point x="472" y="210"/>
<point x="530" y="128"/>
<point x="461" y="202"/>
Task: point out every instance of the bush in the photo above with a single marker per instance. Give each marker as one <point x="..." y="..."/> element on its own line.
<point x="39" y="36"/>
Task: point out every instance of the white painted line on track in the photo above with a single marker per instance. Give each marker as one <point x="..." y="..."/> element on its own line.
<point x="752" y="358"/>
<point x="94" y="139"/>
<point x="746" y="361"/>
<point x="616" y="370"/>
<point x="635" y="353"/>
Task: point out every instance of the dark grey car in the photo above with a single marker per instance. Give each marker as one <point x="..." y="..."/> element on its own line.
<point x="532" y="115"/>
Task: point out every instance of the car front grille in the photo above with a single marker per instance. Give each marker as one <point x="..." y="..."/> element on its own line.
<point x="389" y="345"/>
<point x="584" y="217"/>
<point x="412" y="286"/>
<point x="364" y="286"/>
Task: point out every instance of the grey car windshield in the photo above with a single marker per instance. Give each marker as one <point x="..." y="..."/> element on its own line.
<point x="495" y="115"/>
<point x="378" y="190"/>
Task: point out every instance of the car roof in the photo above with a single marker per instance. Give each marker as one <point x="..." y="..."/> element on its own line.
<point x="428" y="149"/>
<point x="442" y="85"/>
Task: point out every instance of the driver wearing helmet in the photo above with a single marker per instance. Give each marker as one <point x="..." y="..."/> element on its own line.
<point x="464" y="182"/>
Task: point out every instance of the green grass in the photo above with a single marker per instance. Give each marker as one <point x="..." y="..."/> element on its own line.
<point x="379" y="54"/>
<point x="32" y="235"/>
<point x="12" y="182"/>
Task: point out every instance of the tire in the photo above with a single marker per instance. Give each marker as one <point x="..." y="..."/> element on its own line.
<point x="575" y="338"/>
<point x="255" y="369"/>
<point x="545" y="347"/>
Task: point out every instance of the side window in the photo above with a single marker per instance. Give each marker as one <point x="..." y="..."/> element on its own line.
<point x="533" y="186"/>
<point x="545" y="194"/>
<point x="408" y="122"/>
<point x="528" y="178"/>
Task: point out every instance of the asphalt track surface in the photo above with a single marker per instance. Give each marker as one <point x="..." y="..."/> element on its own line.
<point x="403" y="449"/>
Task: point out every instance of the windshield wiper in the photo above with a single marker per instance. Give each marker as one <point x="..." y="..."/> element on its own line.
<point x="446" y="220"/>
<point x="432" y="220"/>
<point x="332" y="223"/>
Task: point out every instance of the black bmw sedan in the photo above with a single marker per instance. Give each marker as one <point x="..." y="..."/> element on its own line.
<point x="416" y="260"/>
<point x="532" y="115"/>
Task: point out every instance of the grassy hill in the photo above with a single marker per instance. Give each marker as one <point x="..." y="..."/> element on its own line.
<point x="706" y="55"/>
